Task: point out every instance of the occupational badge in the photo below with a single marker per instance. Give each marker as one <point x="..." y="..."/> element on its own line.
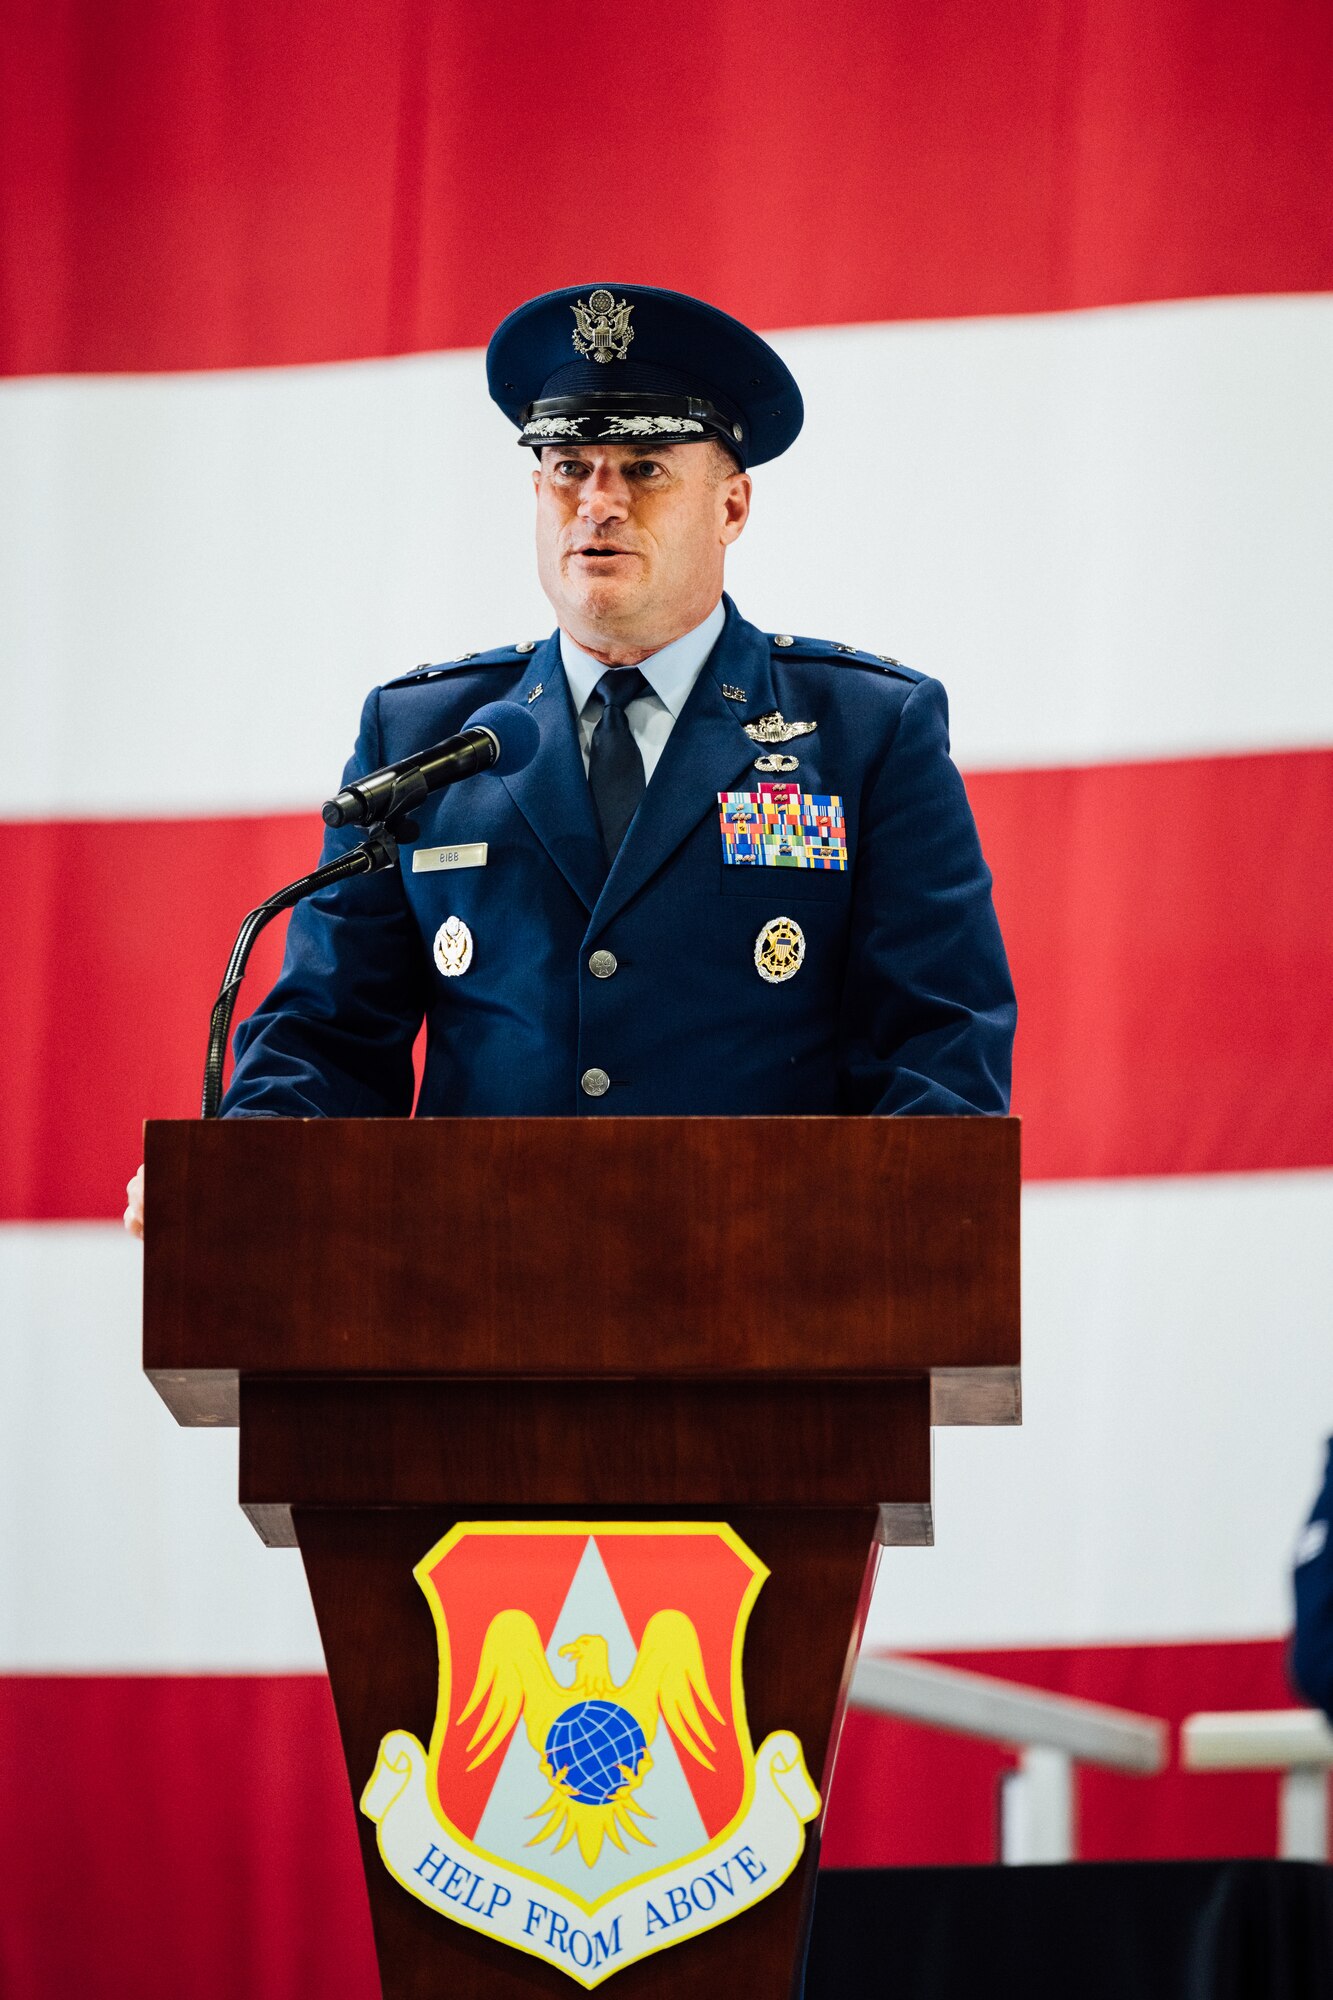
<point x="779" y="950"/>
<point x="775" y="728"/>
<point x="590" y="1795"/>
<point x="773" y="761"/>
<point x="453" y="947"/>
<point x="601" y="327"/>
<point x="780" y="826"/>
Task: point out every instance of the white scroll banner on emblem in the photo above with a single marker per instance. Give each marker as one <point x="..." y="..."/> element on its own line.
<point x="519" y="1909"/>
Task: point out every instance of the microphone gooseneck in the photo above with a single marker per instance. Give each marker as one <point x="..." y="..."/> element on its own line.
<point x="500" y="737"/>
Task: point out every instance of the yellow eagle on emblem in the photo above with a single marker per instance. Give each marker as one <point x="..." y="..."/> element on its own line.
<point x="593" y="1736"/>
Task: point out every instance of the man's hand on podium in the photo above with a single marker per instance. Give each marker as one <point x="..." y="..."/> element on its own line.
<point x="134" y="1205"/>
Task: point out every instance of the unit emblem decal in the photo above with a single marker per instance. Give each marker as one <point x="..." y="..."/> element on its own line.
<point x="590" y="1795"/>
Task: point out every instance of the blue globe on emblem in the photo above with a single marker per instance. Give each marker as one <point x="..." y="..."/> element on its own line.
<point x="589" y="1742"/>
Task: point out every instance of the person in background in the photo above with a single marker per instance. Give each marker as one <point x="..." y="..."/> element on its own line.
<point x="1312" y="1645"/>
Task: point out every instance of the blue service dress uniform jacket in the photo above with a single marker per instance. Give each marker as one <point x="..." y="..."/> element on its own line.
<point x="903" y="1003"/>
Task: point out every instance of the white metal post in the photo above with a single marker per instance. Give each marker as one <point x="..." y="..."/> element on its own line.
<point x="1037" y="1808"/>
<point x="1302" y="1815"/>
<point x="1297" y="1742"/>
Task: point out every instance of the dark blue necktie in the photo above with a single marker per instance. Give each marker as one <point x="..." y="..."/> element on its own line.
<point x="615" y="766"/>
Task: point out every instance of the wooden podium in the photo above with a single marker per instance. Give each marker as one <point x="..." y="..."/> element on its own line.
<point x="753" y="1321"/>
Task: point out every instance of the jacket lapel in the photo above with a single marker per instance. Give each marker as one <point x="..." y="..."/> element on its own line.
<point x="706" y="753"/>
<point x="552" y="792"/>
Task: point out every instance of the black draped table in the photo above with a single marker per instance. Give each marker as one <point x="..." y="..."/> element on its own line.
<point x="1125" y="1930"/>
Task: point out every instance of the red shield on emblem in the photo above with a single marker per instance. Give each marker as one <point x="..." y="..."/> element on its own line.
<point x="591" y="1721"/>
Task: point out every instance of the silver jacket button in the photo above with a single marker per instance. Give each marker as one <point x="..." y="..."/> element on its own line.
<point x="526" y="646"/>
<point x="595" y="1082"/>
<point x="602" y="964"/>
<point x="784" y="639"/>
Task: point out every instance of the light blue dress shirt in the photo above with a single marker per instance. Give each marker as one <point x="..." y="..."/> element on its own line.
<point x="670" y="675"/>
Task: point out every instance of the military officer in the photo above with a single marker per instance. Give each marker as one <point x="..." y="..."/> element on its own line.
<point x="740" y="874"/>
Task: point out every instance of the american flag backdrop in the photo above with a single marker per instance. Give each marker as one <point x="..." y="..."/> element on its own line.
<point x="1055" y="278"/>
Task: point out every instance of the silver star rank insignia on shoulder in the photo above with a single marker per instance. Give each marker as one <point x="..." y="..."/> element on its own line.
<point x="775" y="728"/>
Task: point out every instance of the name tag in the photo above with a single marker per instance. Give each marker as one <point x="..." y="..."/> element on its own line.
<point x="426" y="860"/>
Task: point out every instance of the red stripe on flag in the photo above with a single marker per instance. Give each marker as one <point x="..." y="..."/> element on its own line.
<point x="203" y="1830"/>
<point x="1167" y="925"/>
<point x="250" y="185"/>
<point x="166" y="1835"/>
<point x="118" y="934"/>
<point x="1168" y="928"/>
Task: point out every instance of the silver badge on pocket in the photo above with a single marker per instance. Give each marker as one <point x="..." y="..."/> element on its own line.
<point x="779" y="950"/>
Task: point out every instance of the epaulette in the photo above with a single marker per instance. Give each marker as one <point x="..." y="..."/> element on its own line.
<point x="499" y="656"/>
<point x="789" y="645"/>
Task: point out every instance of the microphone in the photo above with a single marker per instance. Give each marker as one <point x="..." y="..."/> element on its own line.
<point x="500" y="737"/>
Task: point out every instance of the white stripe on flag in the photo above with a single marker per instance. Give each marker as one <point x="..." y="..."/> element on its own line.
<point x="1177" y="1390"/>
<point x="1178" y="1382"/>
<point x="127" y="1550"/>
<point x="1105" y="531"/>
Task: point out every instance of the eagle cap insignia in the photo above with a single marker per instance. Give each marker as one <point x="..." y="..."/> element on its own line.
<point x="601" y="327"/>
<point x="775" y="728"/>
<point x="590" y="1794"/>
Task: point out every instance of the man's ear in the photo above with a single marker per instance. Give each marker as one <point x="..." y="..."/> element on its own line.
<point x="736" y="506"/>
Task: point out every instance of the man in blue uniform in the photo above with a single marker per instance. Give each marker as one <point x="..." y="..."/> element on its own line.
<point x="740" y="874"/>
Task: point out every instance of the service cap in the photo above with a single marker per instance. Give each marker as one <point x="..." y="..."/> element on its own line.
<point x="623" y="364"/>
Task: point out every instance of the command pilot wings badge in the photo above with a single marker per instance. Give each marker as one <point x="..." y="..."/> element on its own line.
<point x="775" y="728"/>
<point x="590" y="1794"/>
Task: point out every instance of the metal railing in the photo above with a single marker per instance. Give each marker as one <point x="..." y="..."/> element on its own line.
<point x="1051" y="1733"/>
<point x="1295" y="1741"/>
